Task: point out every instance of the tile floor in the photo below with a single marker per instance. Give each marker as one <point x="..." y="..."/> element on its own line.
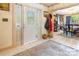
<point x="69" y="41"/>
<point x="50" y="48"/>
<point x="14" y="51"/>
<point x="59" y="45"/>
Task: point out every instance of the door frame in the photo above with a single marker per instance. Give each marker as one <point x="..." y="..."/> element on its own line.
<point x="14" y="43"/>
<point x="14" y="40"/>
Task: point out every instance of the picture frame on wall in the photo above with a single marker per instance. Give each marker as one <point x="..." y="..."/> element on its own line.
<point x="4" y="6"/>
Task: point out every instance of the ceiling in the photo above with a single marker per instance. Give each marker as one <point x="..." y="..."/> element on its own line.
<point x="49" y="4"/>
<point x="71" y="10"/>
<point x="63" y="8"/>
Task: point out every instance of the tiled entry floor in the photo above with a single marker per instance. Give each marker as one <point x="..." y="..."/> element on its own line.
<point x="50" y="48"/>
<point x="68" y="41"/>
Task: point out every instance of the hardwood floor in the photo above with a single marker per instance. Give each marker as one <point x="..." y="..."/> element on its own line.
<point x="50" y="48"/>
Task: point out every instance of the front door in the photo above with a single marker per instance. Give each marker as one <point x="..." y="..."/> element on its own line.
<point x="32" y="27"/>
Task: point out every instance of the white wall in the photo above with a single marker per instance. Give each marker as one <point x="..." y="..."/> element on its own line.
<point x="6" y="29"/>
<point x="35" y="5"/>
